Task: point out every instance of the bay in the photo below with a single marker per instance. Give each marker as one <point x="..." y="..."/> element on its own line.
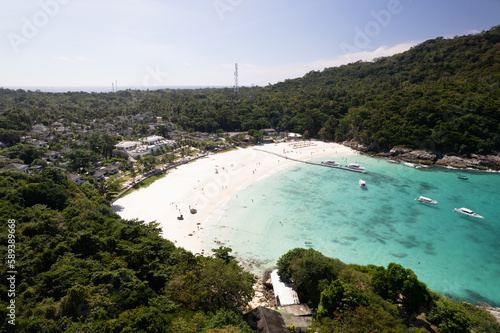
<point x="323" y="208"/>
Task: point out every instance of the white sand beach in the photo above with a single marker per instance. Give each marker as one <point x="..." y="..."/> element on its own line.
<point x="208" y="183"/>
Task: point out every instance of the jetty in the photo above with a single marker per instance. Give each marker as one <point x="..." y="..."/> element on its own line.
<point x="312" y="163"/>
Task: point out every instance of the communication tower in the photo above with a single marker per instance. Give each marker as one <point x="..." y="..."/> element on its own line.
<point x="236" y="87"/>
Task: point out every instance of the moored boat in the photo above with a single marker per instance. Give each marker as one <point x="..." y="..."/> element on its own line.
<point x="330" y="163"/>
<point x="426" y="200"/>
<point x="467" y="212"/>
<point x="362" y="183"/>
<point x="462" y="177"/>
<point x="353" y="166"/>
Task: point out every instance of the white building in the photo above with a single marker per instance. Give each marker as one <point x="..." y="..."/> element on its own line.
<point x="127" y="145"/>
<point x="152" y="140"/>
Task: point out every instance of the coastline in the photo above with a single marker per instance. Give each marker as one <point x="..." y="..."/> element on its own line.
<point x="486" y="163"/>
<point x="207" y="184"/>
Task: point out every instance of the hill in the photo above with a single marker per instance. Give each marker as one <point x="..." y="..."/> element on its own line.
<point x="442" y="96"/>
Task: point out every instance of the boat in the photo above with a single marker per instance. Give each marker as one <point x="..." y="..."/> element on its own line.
<point x="467" y="212"/>
<point x="356" y="167"/>
<point x="330" y="163"/>
<point x="426" y="200"/>
<point x="462" y="177"/>
<point x="362" y="183"/>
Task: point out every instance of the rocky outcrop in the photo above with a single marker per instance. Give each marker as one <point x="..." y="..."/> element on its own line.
<point x="478" y="162"/>
<point x="264" y="294"/>
<point x="414" y="156"/>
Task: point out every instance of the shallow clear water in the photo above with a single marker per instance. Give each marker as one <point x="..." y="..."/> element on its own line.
<point x="453" y="254"/>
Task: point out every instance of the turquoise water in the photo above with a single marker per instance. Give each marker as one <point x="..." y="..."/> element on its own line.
<point x="453" y="254"/>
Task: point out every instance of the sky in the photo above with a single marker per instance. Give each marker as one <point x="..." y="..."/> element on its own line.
<point x="152" y="43"/>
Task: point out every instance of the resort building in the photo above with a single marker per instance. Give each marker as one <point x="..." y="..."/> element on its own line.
<point x="152" y="140"/>
<point x="127" y="145"/>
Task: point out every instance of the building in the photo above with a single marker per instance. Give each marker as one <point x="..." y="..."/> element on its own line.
<point x="152" y="140"/>
<point x="77" y="179"/>
<point x="17" y="167"/>
<point x="127" y="145"/>
<point x="41" y="144"/>
<point x="110" y="169"/>
<point x="52" y="155"/>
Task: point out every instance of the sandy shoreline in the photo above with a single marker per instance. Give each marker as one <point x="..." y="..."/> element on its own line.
<point x="208" y="183"/>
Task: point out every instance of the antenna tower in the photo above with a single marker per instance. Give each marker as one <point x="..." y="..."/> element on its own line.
<point x="236" y="87"/>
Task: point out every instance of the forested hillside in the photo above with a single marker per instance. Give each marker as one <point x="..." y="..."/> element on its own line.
<point x="353" y="298"/>
<point x="75" y="266"/>
<point x="81" y="268"/>
<point x="442" y="95"/>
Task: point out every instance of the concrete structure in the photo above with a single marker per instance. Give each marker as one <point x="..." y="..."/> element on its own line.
<point x="283" y="293"/>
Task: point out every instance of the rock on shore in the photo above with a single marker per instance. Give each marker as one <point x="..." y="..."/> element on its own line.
<point x="476" y="161"/>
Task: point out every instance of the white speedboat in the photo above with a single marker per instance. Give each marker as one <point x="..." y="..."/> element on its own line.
<point x="362" y="183"/>
<point x="353" y="166"/>
<point x="468" y="212"/>
<point x="426" y="200"/>
<point x="330" y="163"/>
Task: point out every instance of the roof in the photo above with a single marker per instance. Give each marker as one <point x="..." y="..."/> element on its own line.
<point x="74" y="177"/>
<point x="285" y="293"/>
<point x="125" y="144"/>
<point x="152" y="138"/>
<point x="16" y="166"/>
<point x="264" y="320"/>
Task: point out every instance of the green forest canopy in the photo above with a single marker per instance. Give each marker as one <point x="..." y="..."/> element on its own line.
<point x="442" y="95"/>
<point x="81" y="268"/>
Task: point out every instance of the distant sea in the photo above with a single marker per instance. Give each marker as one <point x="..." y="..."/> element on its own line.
<point x="323" y="208"/>
<point x="106" y="89"/>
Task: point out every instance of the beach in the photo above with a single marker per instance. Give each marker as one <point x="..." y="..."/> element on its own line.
<point x="206" y="184"/>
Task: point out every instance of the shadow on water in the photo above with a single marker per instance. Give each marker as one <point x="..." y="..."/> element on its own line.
<point x="429" y="249"/>
<point x="425" y="187"/>
<point x="410" y="242"/>
<point x="474" y="298"/>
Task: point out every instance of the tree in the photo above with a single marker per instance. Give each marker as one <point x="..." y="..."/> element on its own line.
<point x="400" y="286"/>
<point x="309" y="272"/>
<point x="340" y="297"/>
<point x="212" y="284"/>
<point x="107" y="188"/>
<point x="223" y="253"/>
<point x="148" y="163"/>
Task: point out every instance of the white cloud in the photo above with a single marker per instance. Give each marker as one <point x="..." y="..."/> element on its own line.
<point x="382" y="51"/>
<point x="62" y="58"/>
<point x="82" y="58"/>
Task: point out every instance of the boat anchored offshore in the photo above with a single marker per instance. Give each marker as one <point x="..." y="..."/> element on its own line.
<point x="356" y="167"/>
<point x="426" y="200"/>
<point x="330" y="163"/>
<point x="467" y="212"/>
<point x="362" y="184"/>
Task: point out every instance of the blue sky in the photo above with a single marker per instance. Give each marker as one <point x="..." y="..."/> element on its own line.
<point x="150" y="43"/>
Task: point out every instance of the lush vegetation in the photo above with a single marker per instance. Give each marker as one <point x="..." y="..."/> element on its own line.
<point x="352" y="298"/>
<point x="442" y="95"/>
<point x="83" y="269"/>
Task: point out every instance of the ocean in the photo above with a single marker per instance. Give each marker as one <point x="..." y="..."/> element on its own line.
<point x="102" y="89"/>
<point x="323" y="208"/>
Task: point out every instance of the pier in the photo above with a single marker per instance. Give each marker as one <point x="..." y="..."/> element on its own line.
<point x="312" y="163"/>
